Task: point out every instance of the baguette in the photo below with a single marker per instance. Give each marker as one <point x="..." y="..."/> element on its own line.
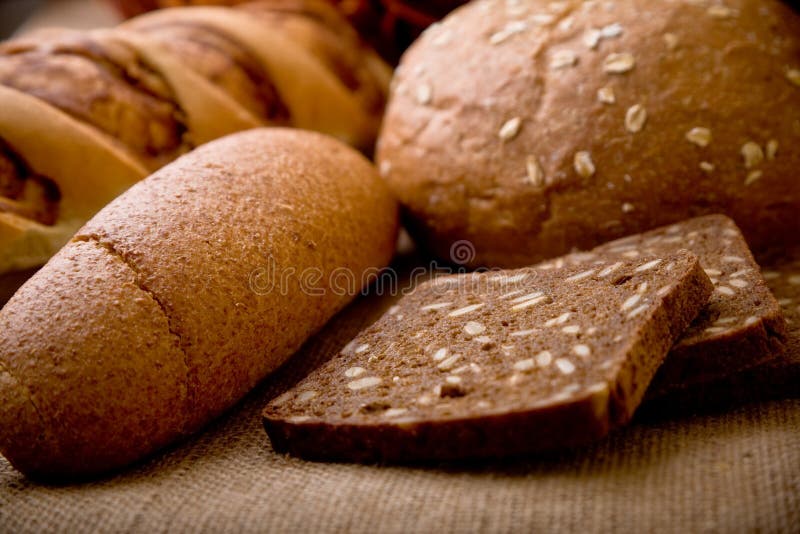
<point x="84" y="115"/>
<point x="171" y="303"/>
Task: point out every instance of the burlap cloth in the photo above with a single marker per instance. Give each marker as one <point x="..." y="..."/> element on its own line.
<point x="737" y="471"/>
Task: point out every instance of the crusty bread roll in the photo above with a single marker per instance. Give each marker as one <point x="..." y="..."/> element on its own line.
<point x="171" y="303"/>
<point x="84" y="115"/>
<point x="558" y="125"/>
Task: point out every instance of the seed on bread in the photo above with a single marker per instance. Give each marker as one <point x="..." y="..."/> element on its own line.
<point x="670" y="40"/>
<point x="510" y="129"/>
<point x="635" y="118"/>
<point x="364" y="383"/>
<point x="720" y="11"/>
<point x="772" y="149"/>
<point x="753" y="177"/>
<point x="619" y="63"/>
<point x="699" y="135"/>
<point x="793" y="75"/>
<point x="753" y="154"/>
<point x="583" y="164"/>
<point x="563" y="59"/>
<point x="606" y="95"/>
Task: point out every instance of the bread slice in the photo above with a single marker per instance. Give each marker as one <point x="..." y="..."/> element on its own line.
<point x="776" y="378"/>
<point x="740" y="327"/>
<point x="495" y="364"/>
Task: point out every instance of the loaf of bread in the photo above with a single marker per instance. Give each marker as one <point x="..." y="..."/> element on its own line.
<point x="180" y="295"/>
<point x="561" y="125"/>
<point x="84" y="115"/>
<point x="495" y="364"/>
<point x="389" y="25"/>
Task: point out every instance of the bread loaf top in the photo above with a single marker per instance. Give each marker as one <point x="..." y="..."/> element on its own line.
<point x="560" y="125"/>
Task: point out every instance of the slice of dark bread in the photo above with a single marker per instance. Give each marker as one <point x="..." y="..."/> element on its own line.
<point x="774" y="379"/>
<point x="495" y="364"/>
<point x="740" y="327"/>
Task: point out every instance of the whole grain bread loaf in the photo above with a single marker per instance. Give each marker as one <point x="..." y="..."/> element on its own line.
<point x="560" y="125"/>
<point x="741" y="326"/>
<point x="179" y="296"/>
<point x="495" y="364"/>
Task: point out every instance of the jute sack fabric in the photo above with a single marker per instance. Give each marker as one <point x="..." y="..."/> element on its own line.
<point x="737" y="471"/>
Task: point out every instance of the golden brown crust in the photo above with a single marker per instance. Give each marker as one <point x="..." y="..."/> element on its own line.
<point x="504" y="141"/>
<point x="170" y="284"/>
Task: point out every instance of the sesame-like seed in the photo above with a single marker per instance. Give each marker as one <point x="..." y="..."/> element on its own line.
<point x="631" y="254"/>
<point x="637" y="311"/>
<point x="563" y="59"/>
<point x="440" y="354"/>
<point x="424" y="94"/>
<point x="635" y="118"/>
<point x="561" y="319"/>
<point x="571" y="329"/>
<point x="733" y="259"/>
<point x="437" y="306"/>
<point x="485" y="341"/>
<point x="753" y="154"/>
<point x="510" y="29"/>
<point x="716" y="329"/>
<point x="713" y="272"/>
<point x="511" y="294"/>
<point x="725" y="290"/>
<point x="720" y="12"/>
<point x="529" y="296"/>
<point x="299" y="418"/>
<point x="580" y="276"/>
<point x="699" y="136"/>
<point x="544" y="358"/>
<point x="753" y="177"/>
<point x="510" y="129"/>
<point x="610" y="269"/>
<point x="606" y="95"/>
<point x="738" y="283"/>
<point x="453" y="379"/>
<point x="542" y="19"/>
<point x="459" y="370"/>
<point x="364" y="383"/>
<point x="525" y="365"/>
<point x="630" y="302"/>
<point x="612" y="30"/>
<point x="512" y="279"/>
<point x="726" y="320"/>
<point x="528" y="303"/>
<point x="361" y="348"/>
<point x="565" y="366"/>
<point x="627" y="207"/>
<point x="582" y="350"/>
<point x="642" y="288"/>
<point x="354" y="372"/>
<point x="449" y="363"/>
<point x="619" y="63"/>
<point x="592" y="330"/>
<point x="592" y="38"/>
<point x="772" y="149"/>
<point x="394" y="412"/>
<point x="465" y="310"/>
<point x="647" y="266"/>
<point x="307" y="395"/>
<point x="671" y="41"/>
<point x="793" y="75"/>
<point x="535" y="174"/>
<point x="583" y="164"/>
<point x="473" y="328"/>
<point x="523" y="333"/>
<point x="750" y="320"/>
<point x="706" y="166"/>
<point x="740" y="272"/>
<point x="396" y="379"/>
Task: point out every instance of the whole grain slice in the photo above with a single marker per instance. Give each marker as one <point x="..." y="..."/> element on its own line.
<point x="775" y="378"/>
<point x="495" y="364"/>
<point x="740" y="327"/>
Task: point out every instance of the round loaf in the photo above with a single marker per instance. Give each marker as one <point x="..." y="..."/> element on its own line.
<point x="531" y="128"/>
<point x="183" y="293"/>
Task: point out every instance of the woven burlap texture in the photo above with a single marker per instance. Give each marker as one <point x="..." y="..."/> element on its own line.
<point x="737" y="471"/>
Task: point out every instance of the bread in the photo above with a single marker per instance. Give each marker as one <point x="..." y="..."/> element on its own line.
<point x="776" y="378"/>
<point x="561" y="125"/>
<point x="741" y="326"/>
<point x="389" y="25"/>
<point x="180" y="295"/>
<point x="495" y="364"/>
<point x="84" y="115"/>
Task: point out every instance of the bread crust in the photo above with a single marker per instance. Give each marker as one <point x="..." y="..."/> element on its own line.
<point x="149" y="322"/>
<point x="504" y="141"/>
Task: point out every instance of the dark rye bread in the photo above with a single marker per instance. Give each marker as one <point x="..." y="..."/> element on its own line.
<point x="774" y="379"/>
<point x="741" y="325"/>
<point x="495" y="364"/>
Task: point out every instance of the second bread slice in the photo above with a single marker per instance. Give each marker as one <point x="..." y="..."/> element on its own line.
<point x="495" y="364"/>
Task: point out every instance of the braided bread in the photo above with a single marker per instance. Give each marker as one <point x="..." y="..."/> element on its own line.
<point x="84" y="115"/>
